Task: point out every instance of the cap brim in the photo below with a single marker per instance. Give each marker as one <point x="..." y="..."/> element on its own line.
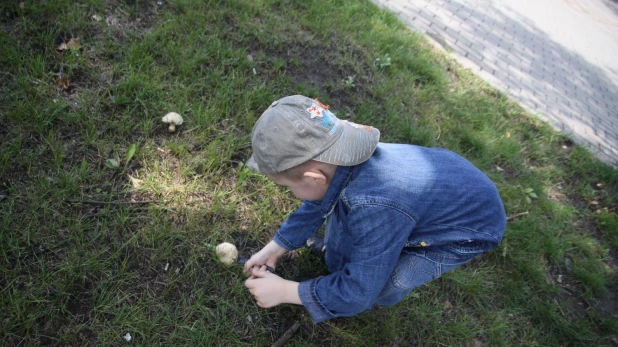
<point x="355" y="145"/>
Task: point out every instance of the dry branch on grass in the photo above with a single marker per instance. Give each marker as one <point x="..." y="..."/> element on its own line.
<point x="94" y="202"/>
<point x="287" y="335"/>
<point x="516" y="215"/>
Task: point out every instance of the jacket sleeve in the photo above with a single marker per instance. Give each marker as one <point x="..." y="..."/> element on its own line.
<point x="378" y="234"/>
<point x="300" y="225"/>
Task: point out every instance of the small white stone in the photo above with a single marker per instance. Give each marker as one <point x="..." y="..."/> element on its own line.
<point x="127" y="337"/>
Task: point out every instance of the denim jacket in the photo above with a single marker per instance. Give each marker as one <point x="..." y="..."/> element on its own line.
<point x="404" y="197"/>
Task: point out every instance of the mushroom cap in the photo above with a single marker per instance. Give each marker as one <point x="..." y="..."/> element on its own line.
<point x="172" y="118"/>
<point x="227" y="253"/>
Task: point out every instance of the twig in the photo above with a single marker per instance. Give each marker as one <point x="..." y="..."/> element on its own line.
<point x="94" y="202"/>
<point x="559" y="307"/>
<point x="516" y="215"/>
<point x="287" y="335"/>
<point x="104" y="213"/>
<point x="246" y="145"/>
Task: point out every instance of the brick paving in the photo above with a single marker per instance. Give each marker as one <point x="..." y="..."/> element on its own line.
<point x="557" y="58"/>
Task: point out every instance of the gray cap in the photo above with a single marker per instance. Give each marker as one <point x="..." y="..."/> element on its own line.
<point x="297" y="129"/>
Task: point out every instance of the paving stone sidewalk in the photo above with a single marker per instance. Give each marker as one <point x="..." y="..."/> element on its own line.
<point x="558" y="58"/>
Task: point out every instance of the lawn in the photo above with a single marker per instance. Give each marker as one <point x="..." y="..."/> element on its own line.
<point x="107" y="219"/>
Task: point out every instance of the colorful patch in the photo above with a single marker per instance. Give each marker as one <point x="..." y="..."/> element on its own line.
<point x="315" y="111"/>
<point x="324" y="117"/>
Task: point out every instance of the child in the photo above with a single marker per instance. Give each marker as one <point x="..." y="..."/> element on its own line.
<point x="397" y="215"/>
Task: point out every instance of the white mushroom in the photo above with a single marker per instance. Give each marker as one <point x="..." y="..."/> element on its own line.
<point x="173" y="119"/>
<point x="227" y="253"/>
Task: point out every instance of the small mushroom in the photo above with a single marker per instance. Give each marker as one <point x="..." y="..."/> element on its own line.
<point x="173" y="119"/>
<point x="227" y="253"/>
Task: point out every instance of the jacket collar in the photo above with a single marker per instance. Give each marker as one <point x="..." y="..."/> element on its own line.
<point x="339" y="182"/>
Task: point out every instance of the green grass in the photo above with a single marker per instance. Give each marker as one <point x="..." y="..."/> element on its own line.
<point x="90" y="253"/>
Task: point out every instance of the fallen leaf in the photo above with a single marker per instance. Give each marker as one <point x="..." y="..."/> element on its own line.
<point x="499" y="168"/>
<point x="567" y="264"/>
<point x="97" y="17"/>
<point x="63" y="82"/>
<point x="448" y="305"/>
<point x="136" y="182"/>
<point x="508" y="134"/>
<point x="111" y="21"/>
<point x="112" y="163"/>
<point x="73" y="43"/>
<point x="594" y="202"/>
<point x="63" y="46"/>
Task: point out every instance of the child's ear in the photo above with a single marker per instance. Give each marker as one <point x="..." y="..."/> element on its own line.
<point x="316" y="175"/>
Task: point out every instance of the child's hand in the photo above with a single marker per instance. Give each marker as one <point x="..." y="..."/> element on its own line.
<point x="267" y="256"/>
<point x="271" y="290"/>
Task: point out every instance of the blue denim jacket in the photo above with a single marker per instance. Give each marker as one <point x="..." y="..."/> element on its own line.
<point x="403" y="198"/>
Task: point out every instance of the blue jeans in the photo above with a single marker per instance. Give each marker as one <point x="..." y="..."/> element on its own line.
<point x="419" y="265"/>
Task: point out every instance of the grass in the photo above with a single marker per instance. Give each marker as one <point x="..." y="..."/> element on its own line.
<point x="90" y="253"/>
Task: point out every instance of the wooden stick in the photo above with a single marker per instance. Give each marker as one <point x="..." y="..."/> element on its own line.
<point x="516" y="215"/>
<point x="93" y="202"/>
<point x="287" y="335"/>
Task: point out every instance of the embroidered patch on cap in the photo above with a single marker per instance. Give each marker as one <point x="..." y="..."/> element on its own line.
<point x="324" y="117"/>
<point x="315" y="111"/>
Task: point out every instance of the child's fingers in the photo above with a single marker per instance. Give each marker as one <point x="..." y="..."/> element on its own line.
<point x="249" y="283"/>
<point x="247" y="267"/>
<point x="259" y="271"/>
<point x="250" y="264"/>
<point x="256" y="271"/>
